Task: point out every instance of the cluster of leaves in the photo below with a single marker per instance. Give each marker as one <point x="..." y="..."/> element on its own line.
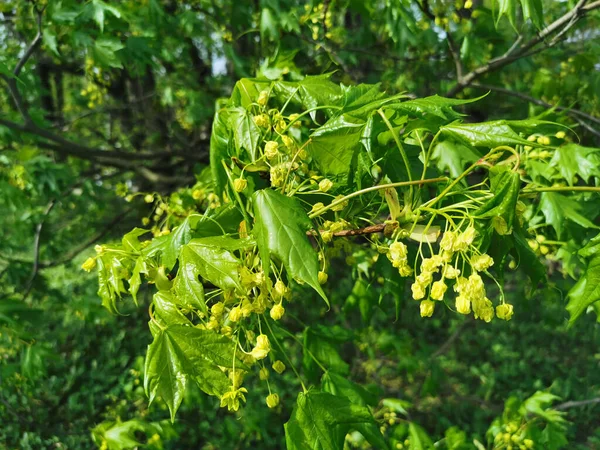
<point x="283" y="153"/>
<point x="117" y="76"/>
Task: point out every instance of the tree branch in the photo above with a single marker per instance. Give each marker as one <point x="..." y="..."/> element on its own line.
<point x="576" y="404"/>
<point x="32" y="46"/>
<point x="535" y="101"/>
<point x="559" y="26"/>
<point x="36" y="248"/>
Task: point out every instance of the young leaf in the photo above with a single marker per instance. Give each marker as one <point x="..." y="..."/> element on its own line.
<point x="586" y="291"/>
<point x="505" y="189"/>
<point x="486" y="134"/>
<point x="338" y="385"/>
<point x="214" y="264"/>
<point x="280" y="230"/>
<point x="558" y="209"/>
<point x="180" y="353"/>
<point x="419" y="440"/>
<point x="321" y="420"/>
<point x="220" y="144"/>
<point x="573" y="160"/>
<point x="333" y="145"/>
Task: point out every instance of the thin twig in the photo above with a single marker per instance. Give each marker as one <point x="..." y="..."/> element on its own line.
<point x="32" y="46"/>
<point x="576" y="404"/>
<point x="36" y="248"/>
<point x="536" y="101"/>
<point x="558" y="26"/>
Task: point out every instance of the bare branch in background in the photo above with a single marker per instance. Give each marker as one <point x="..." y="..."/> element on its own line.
<point x="560" y="26"/>
<point x="569" y="111"/>
<point x="36" y="248"/>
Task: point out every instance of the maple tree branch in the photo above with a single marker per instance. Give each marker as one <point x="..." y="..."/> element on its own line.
<point x="560" y="26"/>
<point x="36" y="248"/>
<point x="33" y="45"/>
<point x="575" y="404"/>
<point x="536" y="101"/>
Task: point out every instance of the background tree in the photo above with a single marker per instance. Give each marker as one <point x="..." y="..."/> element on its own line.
<point x="105" y="124"/>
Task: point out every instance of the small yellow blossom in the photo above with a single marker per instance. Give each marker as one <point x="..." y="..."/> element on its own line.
<point x="427" y="307"/>
<point x="504" y="311"/>
<point x="272" y="400"/>
<point x="482" y="262"/>
<point x="418" y="291"/>
<point x="232" y="398"/>
<point x="322" y="277"/>
<point x="278" y="366"/>
<point x="263" y="374"/>
<point x="149" y="198"/>
<point x="560" y="135"/>
<point x="262" y="120"/>
<point x="239" y="184"/>
<point x="262" y="348"/>
<point x="450" y="272"/>
<point x="325" y="185"/>
<point x="277" y="311"/>
<point x="263" y="97"/>
<point x="288" y="142"/>
<point x="271" y="149"/>
<point x="235" y="314"/>
<point x="89" y="264"/>
<point x="438" y="289"/>
<point x="463" y="304"/>
<point x="448" y="240"/>
<point x="217" y="309"/>
<point x="340" y="206"/>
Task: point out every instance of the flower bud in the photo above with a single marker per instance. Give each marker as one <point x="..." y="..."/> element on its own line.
<point x="263" y="374"/>
<point x="262" y="348"/>
<point x="427" y="307"/>
<point x="277" y="311"/>
<point x="463" y="305"/>
<point x="235" y="314"/>
<point x="418" y="291"/>
<point x="89" y="264"/>
<point x="322" y="277"/>
<point x="262" y="120"/>
<point x="239" y="184"/>
<point x="271" y="149"/>
<point x="438" y="289"/>
<point x="560" y="135"/>
<point x="149" y="198"/>
<point x="482" y="262"/>
<point x="217" y="309"/>
<point x="272" y="400"/>
<point x="278" y="366"/>
<point x="263" y="97"/>
<point x="504" y="311"/>
<point x="325" y="184"/>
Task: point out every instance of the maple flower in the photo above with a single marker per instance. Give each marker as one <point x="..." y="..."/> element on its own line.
<point x="463" y="304"/>
<point x="277" y="311"/>
<point x="239" y="184"/>
<point x="325" y="184"/>
<point x="89" y="264"/>
<point x="427" y="307"/>
<point x="263" y="97"/>
<point x="262" y="348"/>
<point x="418" y="291"/>
<point x="322" y="277"/>
<point x="232" y="398"/>
<point x="482" y="262"/>
<point x="504" y="311"/>
<point x="272" y="400"/>
<point x="271" y="148"/>
<point x="278" y="366"/>
<point x="263" y="374"/>
<point x="438" y="289"/>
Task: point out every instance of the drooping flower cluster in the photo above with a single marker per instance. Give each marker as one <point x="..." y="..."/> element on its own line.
<point x="437" y="271"/>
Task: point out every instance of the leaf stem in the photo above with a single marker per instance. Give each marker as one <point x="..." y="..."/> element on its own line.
<point x="286" y="356"/>
<point x="562" y="189"/>
<point x="399" y="145"/>
<point x="374" y="188"/>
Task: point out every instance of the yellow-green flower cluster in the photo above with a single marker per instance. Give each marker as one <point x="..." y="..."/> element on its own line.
<point x="471" y="293"/>
<point x="398" y="255"/>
